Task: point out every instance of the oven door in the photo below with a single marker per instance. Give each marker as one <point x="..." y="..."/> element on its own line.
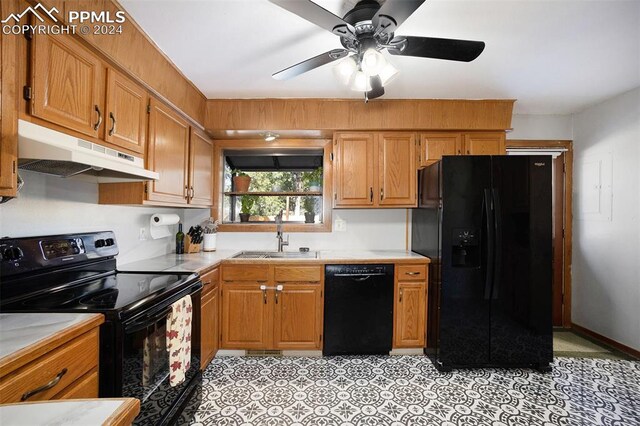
<point x="146" y="366"/>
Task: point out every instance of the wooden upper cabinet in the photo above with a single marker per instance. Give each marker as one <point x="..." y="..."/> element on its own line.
<point x="168" y="154"/>
<point x="126" y="113"/>
<point x="200" y="169"/>
<point x="484" y="143"/>
<point x="434" y="145"/>
<point x="355" y="163"/>
<point x="297" y="316"/>
<point x="397" y="169"/>
<point x="68" y="84"/>
<point x="375" y="170"/>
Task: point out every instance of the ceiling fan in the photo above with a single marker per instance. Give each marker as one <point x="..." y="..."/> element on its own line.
<point x="365" y="31"/>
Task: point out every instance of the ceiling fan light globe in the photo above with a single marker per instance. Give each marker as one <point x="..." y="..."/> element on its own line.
<point x="360" y="82"/>
<point x="345" y="69"/>
<point x="388" y="73"/>
<point x="373" y="62"/>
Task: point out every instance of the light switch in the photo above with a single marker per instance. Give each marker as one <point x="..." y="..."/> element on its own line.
<point x="340" y="225"/>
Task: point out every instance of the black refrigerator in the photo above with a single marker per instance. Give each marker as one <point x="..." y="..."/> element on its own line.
<point x="486" y="223"/>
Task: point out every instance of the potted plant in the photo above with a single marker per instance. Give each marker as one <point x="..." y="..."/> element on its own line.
<point x="246" y="202"/>
<point x="241" y="181"/>
<point x="313" y="179"/>
<point x="309" y="206"/>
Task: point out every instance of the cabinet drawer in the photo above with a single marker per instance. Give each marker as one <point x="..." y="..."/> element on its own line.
<point x="76" y="357"/>
<point x="84" y="387"/>
<point x="412" y="272"/>
<point x="245" y="273"/>
<point x="210" y="281"/>
<point x="298" y="274"/>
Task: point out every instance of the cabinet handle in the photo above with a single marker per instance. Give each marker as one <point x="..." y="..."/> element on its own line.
<point x="191" y="192"/>
<point x="400" y="295"/>
<point x="99" y="122"/>
<point x="412" y="273"/>
<point x="112" y="130"/>
<point x="468" y="152"/>
<point x="371" y="194"/>
<point x="459" y="151"/>
<point x="381" y="194"/>
<point x="44" y="387"/>
<point x="279" y="288"/>
<point x="264" y="293"/>
<point x="186" y="196"/>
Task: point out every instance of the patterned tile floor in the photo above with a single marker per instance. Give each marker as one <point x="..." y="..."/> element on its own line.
<point x="408" y="390"/>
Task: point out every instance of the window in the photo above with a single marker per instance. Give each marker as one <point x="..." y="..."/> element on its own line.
<point x="281" y="179"/>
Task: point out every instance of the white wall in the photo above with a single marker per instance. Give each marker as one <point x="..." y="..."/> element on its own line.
<point x="606" y="253"/>
<point x="549" y="127"/>
<point x="50" y="205"/>
<point x="366" y="229"/>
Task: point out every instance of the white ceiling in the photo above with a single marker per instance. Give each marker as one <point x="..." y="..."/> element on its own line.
<point x="555" y="57"/>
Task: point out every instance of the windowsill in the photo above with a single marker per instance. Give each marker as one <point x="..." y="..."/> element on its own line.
<point x="271" y="227"/>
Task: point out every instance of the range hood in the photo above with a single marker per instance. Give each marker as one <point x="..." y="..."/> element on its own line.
<point x="51" y="152"/>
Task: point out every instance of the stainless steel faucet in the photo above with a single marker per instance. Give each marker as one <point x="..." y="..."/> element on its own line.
<point x="281" y="241"/>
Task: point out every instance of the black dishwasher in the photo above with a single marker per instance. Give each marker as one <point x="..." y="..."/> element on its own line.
<point x="358" y="309"/>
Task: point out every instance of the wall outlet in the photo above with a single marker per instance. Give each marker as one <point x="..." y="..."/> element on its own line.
<point x="340" y="225"/>
<point x="142" y="235"/>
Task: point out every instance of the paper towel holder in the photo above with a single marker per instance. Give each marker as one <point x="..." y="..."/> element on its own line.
<point x="159" y="225"/>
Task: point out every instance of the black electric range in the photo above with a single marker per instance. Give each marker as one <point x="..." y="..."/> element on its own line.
<point x="77" y="273"/>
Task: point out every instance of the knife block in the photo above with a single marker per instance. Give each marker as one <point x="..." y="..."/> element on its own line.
<point x="190" y="247"/>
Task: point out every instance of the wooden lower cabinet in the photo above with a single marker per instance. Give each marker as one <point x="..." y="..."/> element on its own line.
<point x="281" y="311"/>
<point x="298" y="317"/>
<point x="410" y="307"/>
<point x="245" y="316"/>
<point x="69" y="370"/>
<point x="209" y="318"/>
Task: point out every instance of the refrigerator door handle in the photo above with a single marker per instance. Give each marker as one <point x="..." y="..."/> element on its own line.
<point x="497" y="221"/>
<point x="489" y="223"/>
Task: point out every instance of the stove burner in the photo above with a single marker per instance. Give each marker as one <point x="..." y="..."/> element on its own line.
<point x="104" y="298"/>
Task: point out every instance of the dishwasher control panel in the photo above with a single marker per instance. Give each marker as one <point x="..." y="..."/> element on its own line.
<point x="353" y="270"/>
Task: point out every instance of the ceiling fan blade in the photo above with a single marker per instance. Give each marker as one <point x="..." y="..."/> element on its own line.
<point x="376" y="87"/>
<point x="438" y="48"/>
<point x="311" y="63"/>
<point x="312" y="12"/>
<point x="393" y="13"/>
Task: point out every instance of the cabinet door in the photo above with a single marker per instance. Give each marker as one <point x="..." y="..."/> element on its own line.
<point x="68" y="84"/>
<point x="245" y="316"/>
<point x="434" y="145"/>
<point x="354" y="169"/>
<point x="126" y="113"/>
<point x="168" y="154"/>
<point x="209" y="334"/>
<point x="200" y="170"/>
<point x="485" y="144"/>
<point x="297" y="316"/>
<point x="397" y="170"/>
<point x="8" y="111"/>
<point x="410" y="315"/>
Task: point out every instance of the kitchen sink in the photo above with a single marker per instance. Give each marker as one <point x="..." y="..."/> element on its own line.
<point x="276" y="255"/>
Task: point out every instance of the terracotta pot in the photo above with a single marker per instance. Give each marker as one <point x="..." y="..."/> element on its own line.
<point x="309" y="217"/>
<point x="241" y="183"/>
<point x="244" y="217"/>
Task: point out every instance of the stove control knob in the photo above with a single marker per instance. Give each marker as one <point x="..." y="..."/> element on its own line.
<point x="12" y="253"/>
<point x="100" y="243"/>
<point x="109" y="242"/>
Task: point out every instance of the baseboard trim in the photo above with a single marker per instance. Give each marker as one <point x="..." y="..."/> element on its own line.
<point x="617" y="345"/>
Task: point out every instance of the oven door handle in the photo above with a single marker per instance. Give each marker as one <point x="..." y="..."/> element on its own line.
<point x="153" y="316"/>
<point x="146" y="321"/>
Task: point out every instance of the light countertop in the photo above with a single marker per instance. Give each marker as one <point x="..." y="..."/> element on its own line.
<point x="81" y="412"/>
<point x="19" y="332"/>
<point x="200" y="262"/>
